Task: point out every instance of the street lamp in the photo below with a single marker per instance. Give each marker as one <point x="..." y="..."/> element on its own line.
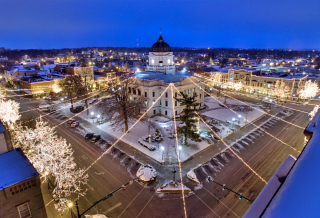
<point x="239" y="116"/>
<point x="162" y="149"/>
<point x="179" y="148"/>
<point x="98" y="116"/>
<point x="233" y="119"/>
<point x="70" y="204"/>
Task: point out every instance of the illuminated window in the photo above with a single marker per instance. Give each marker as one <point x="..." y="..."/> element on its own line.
<point x="168" y="61"/>
<point x="160" y="63"/>
<point x="152" y="61"/>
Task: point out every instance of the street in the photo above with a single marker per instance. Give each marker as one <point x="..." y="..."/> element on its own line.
<point x="258" y="149"/>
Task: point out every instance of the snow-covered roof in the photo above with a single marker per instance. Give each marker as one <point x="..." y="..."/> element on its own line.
<point x="167" y="78"/>
<point x="14" y="168"/>
<point x="299" y="195"/>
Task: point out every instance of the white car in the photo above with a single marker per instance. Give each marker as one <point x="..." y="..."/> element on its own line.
<point x="44" y="105"/>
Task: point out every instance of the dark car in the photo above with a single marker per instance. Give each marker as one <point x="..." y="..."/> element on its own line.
<point x="93" y="102"/>
<point x="77" y="109"/>
<point x="95" y="138"/>
<point x="89" y="135"/>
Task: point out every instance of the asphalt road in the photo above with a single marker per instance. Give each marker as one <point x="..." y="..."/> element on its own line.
<point x="263" y="153"/>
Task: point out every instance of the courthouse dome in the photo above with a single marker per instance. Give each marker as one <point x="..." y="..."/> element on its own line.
<point x="160" y="46"/>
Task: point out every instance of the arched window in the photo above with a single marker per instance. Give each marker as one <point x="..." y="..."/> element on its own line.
<point x="129" y="89"/>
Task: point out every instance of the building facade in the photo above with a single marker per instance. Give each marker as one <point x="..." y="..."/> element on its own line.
<point x="20" y="192"/>
<point x="255" y="83"/>
<point x="153" y="83"/>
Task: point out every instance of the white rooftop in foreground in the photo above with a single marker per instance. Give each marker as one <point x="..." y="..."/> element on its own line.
<point x="299" y="195"/>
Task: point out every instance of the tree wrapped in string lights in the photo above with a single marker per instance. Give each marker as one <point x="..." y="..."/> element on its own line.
<point x="238" y="86"/>
<point x="187" y="127"/>
<point x="280" y="89"/>
<point x="313" y="112"/>
<point x="9" y="112"/>
<point x="309" y="90"/>
<point x="53" y="158"/>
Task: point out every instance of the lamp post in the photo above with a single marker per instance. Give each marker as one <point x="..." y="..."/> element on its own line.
<point x="162" y="149"/>
<point x="98" y="118"/>
<point x="179" y="149"/>
<point x="149" y="138"/>
<point x="92" y="116"/>
<point x="239" y="116"/>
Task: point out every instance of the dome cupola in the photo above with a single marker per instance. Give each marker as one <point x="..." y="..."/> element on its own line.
<point x="160" y="46"/>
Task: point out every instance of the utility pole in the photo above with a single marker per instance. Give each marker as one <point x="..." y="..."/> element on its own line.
<point x="224" y="188"/>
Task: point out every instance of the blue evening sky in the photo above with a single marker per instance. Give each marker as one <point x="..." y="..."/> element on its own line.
<point x="293" y="24"/>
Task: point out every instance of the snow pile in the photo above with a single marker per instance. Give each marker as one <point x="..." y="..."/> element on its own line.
<point x="146" y="144"/>
<point x="146" y="173"/>
<point x="173" y="186"/>
<point x="193" y="177"/>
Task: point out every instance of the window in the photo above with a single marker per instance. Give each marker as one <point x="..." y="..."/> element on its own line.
<point x="153" y="102"/>
<point x="160" y="111"/>
<point x="145" y="94"/>
<point x="200" y="96"/>
<point x="166" y="103"/>
<point x="24" y="210"/>
<point x="139" y="92"/>
<point x="168" y="61"/>
<point x="152" y="61"/>
<point x="153" y="94"/>
<point x="154" y="111"/>
<point x="130" y="98"/>
<point x="134" y="91"/>
<point x="176" y="112"/>
<point x="166" y="94"/>
<point x="165" y="112"/>
<point x="175" y="103"/>
<point x="160" y="63"/>
<point x="146" y="103"/>
<point x="129" y="89"/>
<point x="189" y="91"/>
<point x="176" y="95"/>
<point x="194" y="89"/>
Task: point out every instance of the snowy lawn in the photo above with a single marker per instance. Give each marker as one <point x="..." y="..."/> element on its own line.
<point x="226" y="115"/>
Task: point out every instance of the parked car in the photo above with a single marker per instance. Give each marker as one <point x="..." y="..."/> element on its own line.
<point x="93" y="102"/>
<point x="43" y="105"/>
<point x="95" y="138"/>
<point x="74" y="124"/>
<point x="89" y="135"/>
<point x="69" y="122"/>
<point x="77" y="109"/>
<point x="47" y="109"/>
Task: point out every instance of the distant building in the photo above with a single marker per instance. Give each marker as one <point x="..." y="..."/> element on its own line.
<point x="20" y="192"/>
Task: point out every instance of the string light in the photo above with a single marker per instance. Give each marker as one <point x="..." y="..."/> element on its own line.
<point x="231" y="149"/>
<point x="252" y="122"/>
<point x="120" y="138"/>
<point x="177" y="149"/>
<point x="278" y="118"/>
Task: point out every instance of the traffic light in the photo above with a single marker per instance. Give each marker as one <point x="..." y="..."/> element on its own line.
<point x="240" y="196"/>
<point x="223" y="187"/>
<point x="123" y="187"/>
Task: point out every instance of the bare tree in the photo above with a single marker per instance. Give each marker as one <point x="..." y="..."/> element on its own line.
<point x="124" y="105"/>
<point x="72" y="86"/>
<point x="87" y="75"/>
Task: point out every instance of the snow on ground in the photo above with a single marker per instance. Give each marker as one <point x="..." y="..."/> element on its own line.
<point x="173" y="186"/>
<point x="226" y="115"/>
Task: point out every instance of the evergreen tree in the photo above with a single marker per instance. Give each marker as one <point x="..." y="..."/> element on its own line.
<point x="188" y="128"/>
